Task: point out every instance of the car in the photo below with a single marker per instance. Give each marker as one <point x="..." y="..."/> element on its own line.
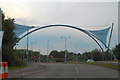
<point x="90" y="60"/>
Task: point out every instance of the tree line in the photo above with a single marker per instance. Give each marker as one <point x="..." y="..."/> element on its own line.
<point x="96" y="55"/>
<point x="58" y="56"/>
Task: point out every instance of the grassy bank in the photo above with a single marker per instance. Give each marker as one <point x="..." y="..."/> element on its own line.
<point x="109" y="65"/>
<point x="18" y="67"/>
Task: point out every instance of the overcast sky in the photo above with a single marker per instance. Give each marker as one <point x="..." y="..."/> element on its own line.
<point x="87" y="15"/>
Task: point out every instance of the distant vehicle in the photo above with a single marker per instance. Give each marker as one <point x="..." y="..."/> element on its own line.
<point x="90" y="60"/>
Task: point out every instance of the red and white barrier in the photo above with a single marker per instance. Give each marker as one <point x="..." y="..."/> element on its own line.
<point x="6" y="70"/>
<point x="3" y="70"/>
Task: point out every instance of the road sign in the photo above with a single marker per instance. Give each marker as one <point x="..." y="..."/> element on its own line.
<point x="1" y="37"/>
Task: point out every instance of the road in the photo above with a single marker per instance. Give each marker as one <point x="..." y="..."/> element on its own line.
<point x="59" y="70"/>
<point x="31" y="69"/>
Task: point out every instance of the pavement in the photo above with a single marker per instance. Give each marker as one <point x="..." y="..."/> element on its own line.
<point x="32" y="69"/>
<point x="60" y="70"/>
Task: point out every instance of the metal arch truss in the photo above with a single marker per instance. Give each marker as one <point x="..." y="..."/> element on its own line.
<point x="85" y="31"/>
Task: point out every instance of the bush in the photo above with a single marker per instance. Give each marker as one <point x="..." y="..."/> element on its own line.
<point x="8" y="56"/>
<point x="59" y="59"/>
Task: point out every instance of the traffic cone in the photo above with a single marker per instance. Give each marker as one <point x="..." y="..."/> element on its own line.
<point x="2" y="71"/>
<point x="6" y="70"/>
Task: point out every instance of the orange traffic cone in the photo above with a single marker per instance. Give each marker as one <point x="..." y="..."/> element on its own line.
<point x="2" y="71"/>
<point x="6" y="70"/>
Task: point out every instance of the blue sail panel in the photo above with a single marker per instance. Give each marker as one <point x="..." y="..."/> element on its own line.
<point x="20" y="29"/>
<point x="101" y="34"/>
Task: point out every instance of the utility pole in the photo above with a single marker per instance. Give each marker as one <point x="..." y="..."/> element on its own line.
<point x="66" y="46"/>
<point x="1" y="35"/>
<point x="27" y="46"/>
<point x="72" y="44"/>
<point x="31" y="50"/>
<point x="47" y="49"/>
<point x="73" y="51"/>
<point x="76" y="52"/>
<point x="24" y="54"/>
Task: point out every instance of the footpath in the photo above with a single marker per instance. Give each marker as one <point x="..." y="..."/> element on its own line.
<point x="32" y="68"/>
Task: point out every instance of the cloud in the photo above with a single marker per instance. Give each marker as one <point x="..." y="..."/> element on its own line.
<point x="15" y="9"/>
<point x="85" y="15"/>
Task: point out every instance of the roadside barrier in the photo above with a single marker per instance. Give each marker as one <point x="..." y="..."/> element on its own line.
<point x="6" y="70"/>
<point x="3" y="70"/>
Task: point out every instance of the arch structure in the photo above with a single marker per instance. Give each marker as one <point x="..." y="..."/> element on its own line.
<point x="99" y="36"/>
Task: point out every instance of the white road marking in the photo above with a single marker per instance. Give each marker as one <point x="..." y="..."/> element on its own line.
<point x="76" y="70"/>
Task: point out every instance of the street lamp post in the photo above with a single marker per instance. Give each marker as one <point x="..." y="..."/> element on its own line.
<point x="76" y="52"/>
<point x="31" y="50"/>
<point x="47" y="49"/>
<point x="73" y="51"/>
<point x="72" y="44"/>
<point x="66" y="46"/>
<point x="24" y="54"/>
<point x="27" y="46"/>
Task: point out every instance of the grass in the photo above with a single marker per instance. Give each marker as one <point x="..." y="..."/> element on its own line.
<point x="109" y="65"/>
<point x="18" y="67"/>
<point x="68" y="62"/>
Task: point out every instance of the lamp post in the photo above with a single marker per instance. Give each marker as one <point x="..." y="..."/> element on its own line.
<point x="47" y="49"/>
<point x="27" y="46"/>
<point x="24" y="54"/>
<point x="76" y="52"/>
<point x="72" y="44"/>
<point x="66" y="46"/>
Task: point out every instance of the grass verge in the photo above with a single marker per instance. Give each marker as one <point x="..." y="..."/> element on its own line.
<point x="109" y="65"/>
<point x="18" y="67"/>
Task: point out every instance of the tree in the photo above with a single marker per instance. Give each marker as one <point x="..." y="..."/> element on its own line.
<point x="94" y="54"/>
<point x="116" y="51"/>
<point x="9" y="36"/>
<point x="7" y="45"/>
<point x="97" y="55"/>
<point x="87" y="55"/>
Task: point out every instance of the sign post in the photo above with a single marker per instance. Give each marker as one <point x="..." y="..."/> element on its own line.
<point x="1" y="35"/>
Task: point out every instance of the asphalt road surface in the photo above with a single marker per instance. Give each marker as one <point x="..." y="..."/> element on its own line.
<point x="59" y="70"/>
